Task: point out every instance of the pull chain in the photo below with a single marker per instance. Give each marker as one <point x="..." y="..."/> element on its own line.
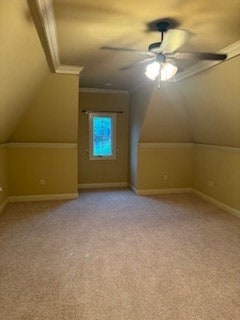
<point x="159" y="77"/>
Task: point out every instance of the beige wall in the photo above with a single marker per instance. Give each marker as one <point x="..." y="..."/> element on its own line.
<point x="103" y="171"/>
<point x="166" y="119"/>
<point x="212" y="101"/>
<point x="57" y="166"/>
<point x="52" y="115"/>
<point x="165" y="167"/>
<point x="22" y="64"/>
<point x="36" y="106"/>
<point x="4" y="182"/>
<point x="221" y="167"/>
<point x="139" y="101"/>
<point x="158" y="115"/>
<point x="205" y="109"/>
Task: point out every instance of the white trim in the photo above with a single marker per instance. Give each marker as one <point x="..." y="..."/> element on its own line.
<point x="41" y="145"/>
<point x="219" y="204"/>
<point x="46" y="12"/>
<point x="214" y="147"/>
<point x="47" y="16"/>
<point x="165" y="145"/>
<point x="161" y="191"/>
<point x="103" y="185"/>
<point x="232" y="51"/>
<point x="70" y="196"/>
<point x="3" y="145"/>
<point x="43" y="197"/>
<point x="95" y="90"/>
<point x="4" y="205"/>
<point x="64" y="69"/>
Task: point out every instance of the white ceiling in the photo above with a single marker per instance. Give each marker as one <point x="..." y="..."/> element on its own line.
<point x="84" y="26"/>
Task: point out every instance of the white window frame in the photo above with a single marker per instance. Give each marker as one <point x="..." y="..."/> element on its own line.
<point x="113" y="156"/>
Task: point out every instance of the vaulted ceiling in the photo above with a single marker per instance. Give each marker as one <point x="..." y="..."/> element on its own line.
<point x="22" y="63"/>
<point x="84" y="26"/>
<point x="204" y="108"/>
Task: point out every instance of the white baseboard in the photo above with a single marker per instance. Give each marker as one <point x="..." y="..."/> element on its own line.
<point x="102" y="185"/>
<point x="219" y="204"/>
<point x="44" y="197"/>
<point x="3" y="206"/>
<point x="69" y="196"/>
<point x="161" y="191"/>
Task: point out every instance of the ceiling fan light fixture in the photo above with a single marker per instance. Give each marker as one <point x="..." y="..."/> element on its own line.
<point x="168" y="70"/>
<point x="152" y="70"/>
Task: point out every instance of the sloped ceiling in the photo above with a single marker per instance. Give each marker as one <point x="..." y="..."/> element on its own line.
<point x="84" y="26"/>
<point x="22" y="63"/>
<point x="204" y="108"/>
<point x="166" y="119"/>
<point x="52" y="114"/>
<point x="212" y="103"/>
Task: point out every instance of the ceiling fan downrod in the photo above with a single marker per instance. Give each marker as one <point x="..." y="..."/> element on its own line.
<point x="162" y="27"/>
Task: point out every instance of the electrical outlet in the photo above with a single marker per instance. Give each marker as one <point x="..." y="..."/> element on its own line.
<point x="1" y="189"/>
<point x="42" y="181"/>
<point x="210" y="184"/>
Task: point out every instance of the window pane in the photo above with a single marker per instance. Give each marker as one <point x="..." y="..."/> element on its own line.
<point x="102" y="136"/>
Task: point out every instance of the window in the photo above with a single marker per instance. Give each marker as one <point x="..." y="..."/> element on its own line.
<point x="102" y="136"/>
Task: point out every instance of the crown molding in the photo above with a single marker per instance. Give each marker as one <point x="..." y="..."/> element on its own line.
<point x="95" y="90"/>
<point x="65" y="69"/>
<point x="42" y="12"/>
<point x="232" y="51"/>
<point x="43" y="15"/>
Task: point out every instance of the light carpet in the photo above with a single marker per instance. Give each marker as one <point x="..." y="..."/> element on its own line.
<point x="112" y="255"/>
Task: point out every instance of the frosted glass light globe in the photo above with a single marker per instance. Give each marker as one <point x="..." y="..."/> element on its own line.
<point x="152" y="70"/>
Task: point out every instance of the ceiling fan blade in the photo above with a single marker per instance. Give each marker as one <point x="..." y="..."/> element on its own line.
<point x="199" y="56"/>
<point x="137" y="63"/>
<point x="125" y="49"/>
<point x="173" y="39"/>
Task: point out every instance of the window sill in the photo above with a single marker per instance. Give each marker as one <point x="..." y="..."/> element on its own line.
<point x="102" y="158"/>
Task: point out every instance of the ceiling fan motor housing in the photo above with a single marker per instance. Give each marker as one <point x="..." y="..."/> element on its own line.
<point x="161" y="57"/>
<point x="162" y="26"/>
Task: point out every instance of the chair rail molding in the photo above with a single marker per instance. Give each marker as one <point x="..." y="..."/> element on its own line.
<point x="41" y="145"/>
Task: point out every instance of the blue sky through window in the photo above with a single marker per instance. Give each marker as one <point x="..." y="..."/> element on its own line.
<point x="102" y="136"/>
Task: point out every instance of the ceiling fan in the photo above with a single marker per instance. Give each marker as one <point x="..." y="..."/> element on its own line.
<point x="162" y="55"/>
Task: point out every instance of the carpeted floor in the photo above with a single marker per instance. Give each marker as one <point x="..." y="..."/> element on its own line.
<point x="111" y="255"/>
